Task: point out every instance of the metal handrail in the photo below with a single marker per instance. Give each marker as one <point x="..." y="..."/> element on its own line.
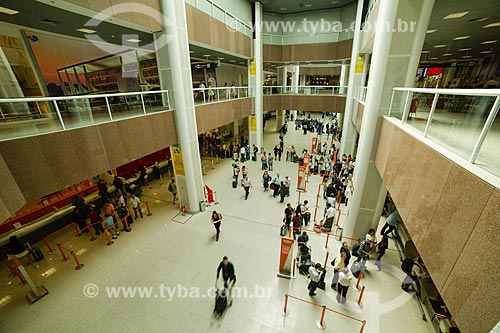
<point x="338" y="33"/>
<point x="64" y="98"/>
<point x="438" y="93"/>
<point x="305" y="90"/>
<point x="226" y="14"/>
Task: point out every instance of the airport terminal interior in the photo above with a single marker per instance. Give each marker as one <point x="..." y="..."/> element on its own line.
<point x="249" y="166"/>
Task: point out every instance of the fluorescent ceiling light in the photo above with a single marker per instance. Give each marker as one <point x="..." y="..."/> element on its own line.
<point x="206" y="55"/>
<point x="430" y="31"/>
<point x="455" y="15"/>
<point x="434" y="58"/>
<point x="8" y="11"/>
<point x="283" y="8"/>
<point x="447" y="54"/>
<point x="467" y="56"/>
<point x="134" y="40"/>
<point x="426" y="51"/>
<point x="461" y="37"/>
<point x="220" y="58"/>
<point x="466" y="49"/>
<point x="489" y="41"/>
<point x="307" y="5"/>
<point x="492" y="25"/>
<point x="440" y="45"/>
<point x="486" y="51"/>
<point x="86" y="31"/>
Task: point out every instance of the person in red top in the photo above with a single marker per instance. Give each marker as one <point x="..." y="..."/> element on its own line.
<point x="95" y="221"/>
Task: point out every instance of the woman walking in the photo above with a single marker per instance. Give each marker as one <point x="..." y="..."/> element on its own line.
<point x="265" y="179"/>
<point x="216" y="220"/>
<point x="381" y="247"/>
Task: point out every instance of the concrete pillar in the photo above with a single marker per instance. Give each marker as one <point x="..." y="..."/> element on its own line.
<point x="282" y="76"/>
<point x="258" y="76"/>
<point x="296" y="78"/>
<point x="347" y="125"/>
<point x="358" y="221"/>
<point x="343" y="79"/>
<point x="174" y="66"/>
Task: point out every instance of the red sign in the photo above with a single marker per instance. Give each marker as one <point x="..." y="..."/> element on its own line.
<point x="314" y="142"/>
<point x="286" y="247"/>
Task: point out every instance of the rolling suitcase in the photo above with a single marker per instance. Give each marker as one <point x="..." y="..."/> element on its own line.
<point x="283" y="230"/>
<point x="234" y="183"/>
<point x="36" y="253"/>
<point x="220" y="302"/>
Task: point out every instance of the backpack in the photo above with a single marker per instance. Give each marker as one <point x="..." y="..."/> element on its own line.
<point x="407" y="265"/>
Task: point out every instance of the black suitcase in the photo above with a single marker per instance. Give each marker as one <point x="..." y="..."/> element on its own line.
<point x="283" y="230"/>
<point x="37" y="254"/>
<point x="220" y="302"/>
<point x="234" y="183"/>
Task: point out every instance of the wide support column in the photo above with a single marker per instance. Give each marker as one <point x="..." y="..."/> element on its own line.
<point x="347" y="125"/>
<point x="381" y="49"/>
<point x="174" y="66"/>
<point x="259" y="101"/>
<point x="343" y="79"/>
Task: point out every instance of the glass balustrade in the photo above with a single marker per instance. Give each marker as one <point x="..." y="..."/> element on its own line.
<point x="306" y="90"/>
<point x="463" y="121"/>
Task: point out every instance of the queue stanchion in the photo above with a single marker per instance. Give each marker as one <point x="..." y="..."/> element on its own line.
<point x="326" y="259"/>
<point x="92" y="237"/>
<point x="77" y="230"/>
<point x="147" y="207"/>
<point x="36" y="292"/>
<point x="110" y="242"/>
<point x="78" y="265"/>
<point x="360" y="303"/>
<point x="125" y="223"/>
<point x="284" y="312"/>
<point x="326" y="242"/>
<point x="362" y="326"/>
<point x="321" y="323"/>
<point x="360" y="277"/>
<point x="47" y="244"/>
<point x="62" y="252"/>
<point x="9" y="266"/>
<point x="15" y="271"/>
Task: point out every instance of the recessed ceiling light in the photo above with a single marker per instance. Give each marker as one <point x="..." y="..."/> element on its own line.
<point x="455" y="15"/>
<point x="430" y="31"/>
<point x="8" y="11"/>
<point x="489" y="41"/>
<point x="307" y="5"/>
<point x="486" y="51"/>
<point x="447" y="54"/>
<point x="481" y="19"/>
<point x="134" y="40"/>
<point x="206" y="55"/>
<point x="283" y="8"/>
<point x="461" y="37"/>
<point x="492" y="25"/>
<point x="220" y="58"/>
<point x="434" y="58"/>
<point x="466" y="49"/>
<point x="86" y="31"/>
<point x="426" y="51"/>
<point x="467" y="56"/>
<point x="440" y="45"/>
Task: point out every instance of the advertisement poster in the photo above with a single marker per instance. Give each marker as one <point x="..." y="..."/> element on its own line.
<point x="285" y="268"/>
<point x="360" y="63"/>
<point x="252" y="66"/>
<point x="177" y="160"/>
<point x="253" y="123"/>
<point x="301" y="184"/>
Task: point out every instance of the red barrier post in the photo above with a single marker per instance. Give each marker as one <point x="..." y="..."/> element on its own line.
<point x="92" y="237"/>
<point x="11" y="269"/>
<point x="78" y="265"/>
<point x="16" y="269"/>
<point x="319" y="187"/>
<point x="62" y="252"/>
<point x="125" y="223"/>
<point x="110" y="242"/>
<point x="315" y="211"/>
<point x="362" y="326"/>
<point x="327" y="239"/>
<point x="361" y="297"/>
<point x="360" y="276"/>
<point x="326" y="259"/>
<point x="147" y="207"/>
<point x="286" y="304"/>
<point x="321" y="323"/>
<point x="77" y="230"/>
<point x="47" y="244"/>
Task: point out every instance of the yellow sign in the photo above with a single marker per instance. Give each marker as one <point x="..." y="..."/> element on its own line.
<point x="360" y="63"/>
<point x="252" y="67"/>
<point x="253" y="124"/>
<point x="177" y="160"/>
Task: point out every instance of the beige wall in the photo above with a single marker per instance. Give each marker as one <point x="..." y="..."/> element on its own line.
<point x="453" y="218"/>
<point x="206" y="30"/>
<point x="307" y="52"/>
<point x="46" y="163"/>
<point x="305" y="103"/>
<point x="215" y="115"/>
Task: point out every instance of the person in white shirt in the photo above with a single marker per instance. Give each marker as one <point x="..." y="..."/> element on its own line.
<point x="329" y="217"/>
<point x="314" y="276"/>
<point x="136" y="205"/>
<point x="345" y="278"/>
<point x="246" y="183"/>
<point x="202" y="90"/>
<point x="242" y="154"/>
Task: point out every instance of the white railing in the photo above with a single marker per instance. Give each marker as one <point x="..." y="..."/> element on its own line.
<point x="302" y="38"/>
<point x="360" y="94"/>
<point x="221" y="94"/>
<point x="22" y="117"/>
<point x="463" y="121"/>
<point x="222" y="15"/>
<point x="306" y="90"/>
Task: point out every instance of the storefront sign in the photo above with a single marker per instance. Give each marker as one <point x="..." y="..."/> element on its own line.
<point x="177" y="160"/>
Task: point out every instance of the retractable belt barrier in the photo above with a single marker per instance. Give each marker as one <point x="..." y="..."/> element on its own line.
<point x="321" y="322"/>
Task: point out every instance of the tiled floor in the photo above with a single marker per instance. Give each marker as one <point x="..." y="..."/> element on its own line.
<point x="159" y="251"/>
